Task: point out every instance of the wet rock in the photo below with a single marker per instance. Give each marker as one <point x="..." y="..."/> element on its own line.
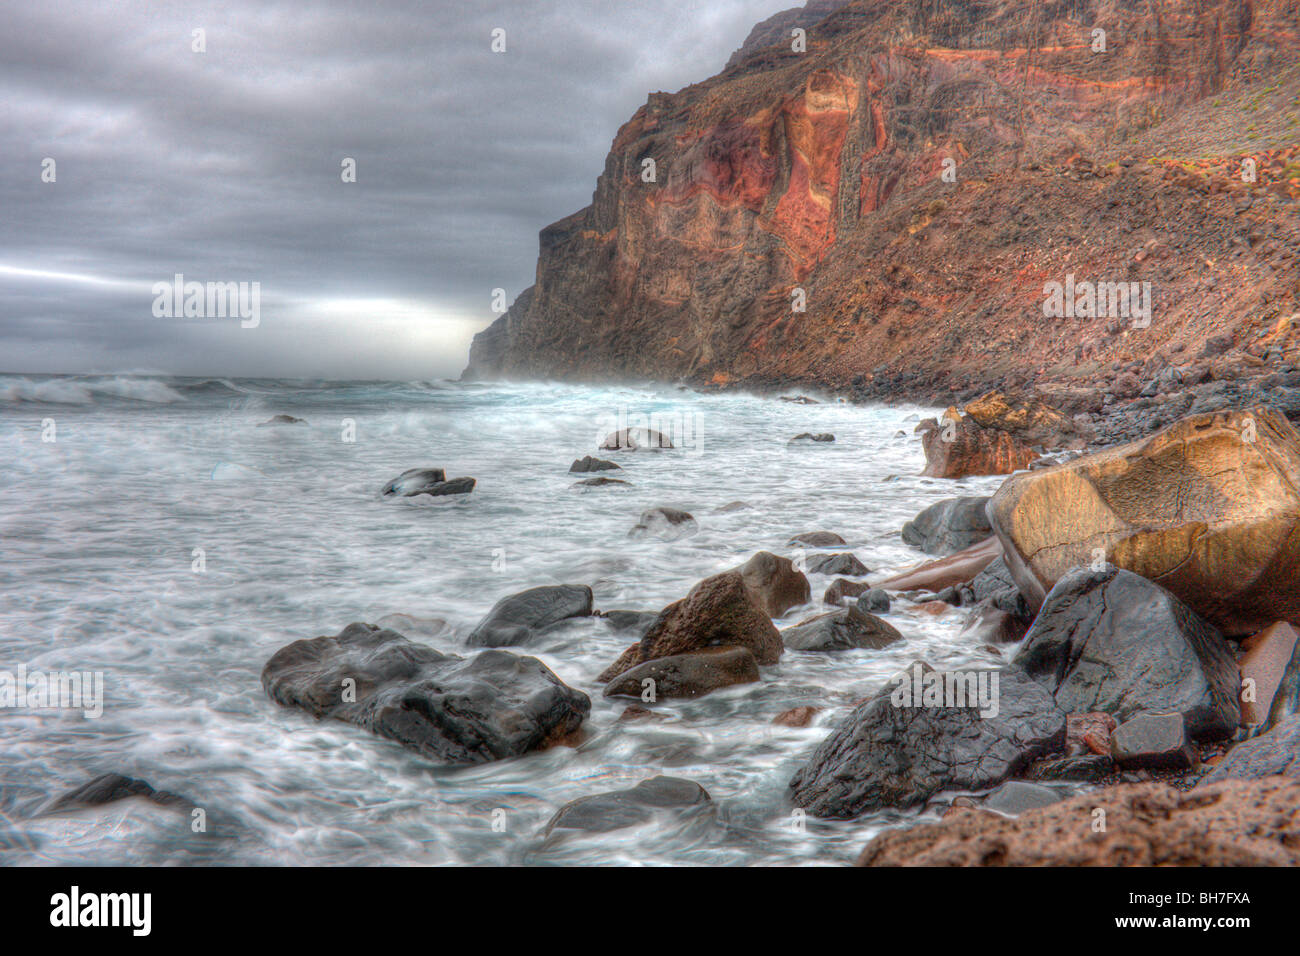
<point x="821" y="438"/>
<point x="840" y="631"/>
<point x="887" y="754"/>
<point x="992" y="625"/>
<point x="517" y="619"/>
<point x="800" y="400"/>
<point x="450" y="709"/>
<point x="1208" y="508"/>
<point x="1088" y="768"/>
<point x="733" y="506"/>
<point x="668" y="524"/>
<point x="720" y="611"/>
<point x="282" y="420"/>
<point x="950" y="525"/>
<point x="426" y="481"/>
<point x="1153" y="742"/>
<point x="845" y="564"/>
<point x="1274" y="753"/>
<point x="775" y="583"/>
<point x="637" y="712"/>
<point x="1235" y="823"/>
<point x="588" y="463"/>
<point x="842" y="589"/>
<point x="1270" y="676"/>
<point x="109" y="788"/>
<point x="1114" y="642"/>
<point x="995" y="586"/>
<point x="955" y="569"/>
<point x="959" y="448"/>
<point x="1016" y="796"/>
<point x="686" y="675"/>
<point x="796" y="717"/>
<point x="817" y="539"/>
<point x="601" y="482"/>
<point x="638" y="621"/>
<point x="604" y="812"/>
<point x="875" y="601"/>
<point x="1088" y="733"/>
<point x="635" y="439"/>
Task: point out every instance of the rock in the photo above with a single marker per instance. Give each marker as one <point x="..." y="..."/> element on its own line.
<point x="638" y="621"/>
<point x="1236" y="823"/>
<point x="637" y="712"/>
<point x="845" y="563"/>
<point x="1016" y="796"/>
<point x="668" y="524"/>
<point x="1209" y="516"/>
<point x="282" y="420"/>
<point x="959" y="448"/>
<point x="1274" y="753"/>
<point x="885" y="754"/>
<point x="635" y="439"/>
<point x="796" y="717"/>
<point x="686" y="675"/>
<point x="588" y="463"/>
<point x="1089" y="768"/>
<point x="732" y="506"/>
<point x="1088" y="734"/>
<point x="800" y="400"/>
<point x="1271" y="663"/>
<point x="720" y="611"/>
<point x="600" y="482"/>
<point x="953" y="570"/>
<point x="817" y="539"/>
<point x="426" y="481"/>
<point x="775" y="583"/>
<point x="604" y="812"/>
<point x="953" y="524"/>
<point x="932" y="608"/>
<point x="823" y="437"/>
<point x="518" y="618"/>
<point x="875" y="601"/>
<point x="987" y="624"/>
<point x="840" y="631"/>
<point x="109" y="788"/>
<point x="1153" y="742"/>
<point x="995" y="586"/>
<point x="842" y="588"/>
<point x="1114" y="642"/>
<point x="450" y="709"/>
<point x="1029" y="420"/>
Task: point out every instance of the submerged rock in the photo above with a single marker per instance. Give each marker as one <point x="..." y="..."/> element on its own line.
<point x="953" y="524"/>
<point x="426" y="481"/>
<point x="518" y="618"/>
<point x="109" y="788"/>
<point x="601" y="482"/>
<point x="668" y="524"/>
<point x="588" y="463"/>
<point x="693" y="674"/>
<point x="604" y="812"/>
<point x="821" y="438"/>
<point x="450" y="709"/>
<point x="840" y="631"/>
<point x="282" y="420"/>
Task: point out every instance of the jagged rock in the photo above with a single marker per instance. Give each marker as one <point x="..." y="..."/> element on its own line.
<point x="846" y="564"/>
<point x="776" y="585"/>
<point x="874" y="601"/>
<point x="953" y="524"/>
<point x="635" y="439"/>
<point x="955" y="569"/>
<point x="885" y="754"/>
<point x="1153" y="742"/>
<point x="426" y="481"/>
<point x="1197" y="508"/>
<point x="686" y="675"/>
<point x="603" y="812"/>
<point x="816" y="539"/>
<point x="1235" y="823"/>
<point x="959" y="448"/>
<point x="1273" y="753"/>
<point x="668" y="524"/>
<point x="720" y="611"/>
<point x="517" y="619"/>
<point x="1270" y="676"/>
<point x="450" y="709"/>
<point x="588" y="463"/>
<point x="842" y="588"/>
<point x="1114" y="642"/>
<point x="840" y="631"/>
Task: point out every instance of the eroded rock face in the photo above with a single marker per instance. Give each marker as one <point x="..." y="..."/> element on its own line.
<point x="1209" y="509"/>
<point x="686" y="675"/>
<point x="842" y="630"/>
<point x="775" y="582"/>
<point x="959" y="448"/>
<point x="450" y="709"/>
<point x="953" y="524"/>
<point x="1234" y="823"/>
<point x="886" y="755"/>
<point x="1113" y="642"/>
<point x="517" y="619"/>
<point x="718" y="612"/>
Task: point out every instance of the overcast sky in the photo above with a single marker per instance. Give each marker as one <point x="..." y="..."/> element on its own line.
<point x="225" y="166"/>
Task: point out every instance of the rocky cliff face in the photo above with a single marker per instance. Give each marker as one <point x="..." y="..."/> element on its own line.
<point x="883" y="213"/>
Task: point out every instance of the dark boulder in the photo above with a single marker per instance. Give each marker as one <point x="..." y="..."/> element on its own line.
<point x="875" y="601"/>
<point x="988" y="624"/>
<point x="588" y="463"/>
<point x="1153" y="742"/>
<point x="516" y="619"/>
<point x="604" y="812"/>
<point x="948" y="526"/>
<point x="686" y="675"/>
<point x="1274" y="753"/>
<point x="450" y="709"/>
<point x="842" y="589"/>
<point x="840" y="631"/>
<point x="1114" y="642"/>
<point x="845" y="564"/>
<point x="109" y="788"/>
<point x="426" y="481"/>
<point x="822" y="438"/>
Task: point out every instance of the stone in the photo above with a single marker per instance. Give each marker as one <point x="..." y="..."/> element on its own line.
<point x="817" y="539"/>
<point x="282" y="420"/>
<point x="635" y="439"/>
<point x="995" y="586"/>
<point x="1114" y="642"/>
<point x="953" y="524"/>
<point x="955" y="569"/>
<point x="842" y="589"/>
<point x="604" y="812"/>
<point x="796" y="717"/>
<point x="588" y="463"/>
<point x="842" y="630"/>
<point x="875" y="601"/>
<point x="1153" y="742"/>
<point x="775" y="583"/>
<point x="601" y="482"/>
<point x="1234" y="823"/>
<point x="449" y="709"/>
<point x="733" y="506"/>
<point x="110" y="788"/>
<point x="823" y="437"/>
<point x="638" y="621"/>
<point x="1088" y="733"/>
<point x="959" y="448"/>
<point x="1208" y="508"/>
<point x="668" y="524"/>
<point x="845" y="564"/>
<point x="1270" y="662"/>
<point x="426" y="481"/>
<point x="1089" y="768"/>
<point x="1029" y="420"/>
<point x="720" y="611"/>
<point x="987" y="624"/>
<point x="517" y="619"/>
<point x="1274" y="753"/>
<point x="686" y="675"/>
<point x="1016" y="796"/>
<point x="884" y="755"/>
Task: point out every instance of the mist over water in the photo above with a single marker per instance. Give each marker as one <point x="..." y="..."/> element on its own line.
<point x="100" y="529"/>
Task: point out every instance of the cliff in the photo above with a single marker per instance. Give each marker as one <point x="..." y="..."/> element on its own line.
<point x="821" y="175"/>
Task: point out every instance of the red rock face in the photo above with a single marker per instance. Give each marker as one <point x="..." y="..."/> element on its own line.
<point x="823" y="172"/>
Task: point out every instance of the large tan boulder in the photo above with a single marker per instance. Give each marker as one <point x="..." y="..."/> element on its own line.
<point x="1030" y="420"/>
<point x="1208" y="508"/>
<point x="959" y="447"/>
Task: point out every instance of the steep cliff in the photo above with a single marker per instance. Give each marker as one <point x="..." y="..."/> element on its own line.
<point x="914" y="180"/>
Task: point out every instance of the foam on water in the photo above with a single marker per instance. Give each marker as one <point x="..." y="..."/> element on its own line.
<point x="99" y="532"/>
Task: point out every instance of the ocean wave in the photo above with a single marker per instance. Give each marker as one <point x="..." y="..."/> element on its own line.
<point x="85" y="390"/>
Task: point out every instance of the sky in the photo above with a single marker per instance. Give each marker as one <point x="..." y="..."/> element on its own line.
<point x="226" y="165"/>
